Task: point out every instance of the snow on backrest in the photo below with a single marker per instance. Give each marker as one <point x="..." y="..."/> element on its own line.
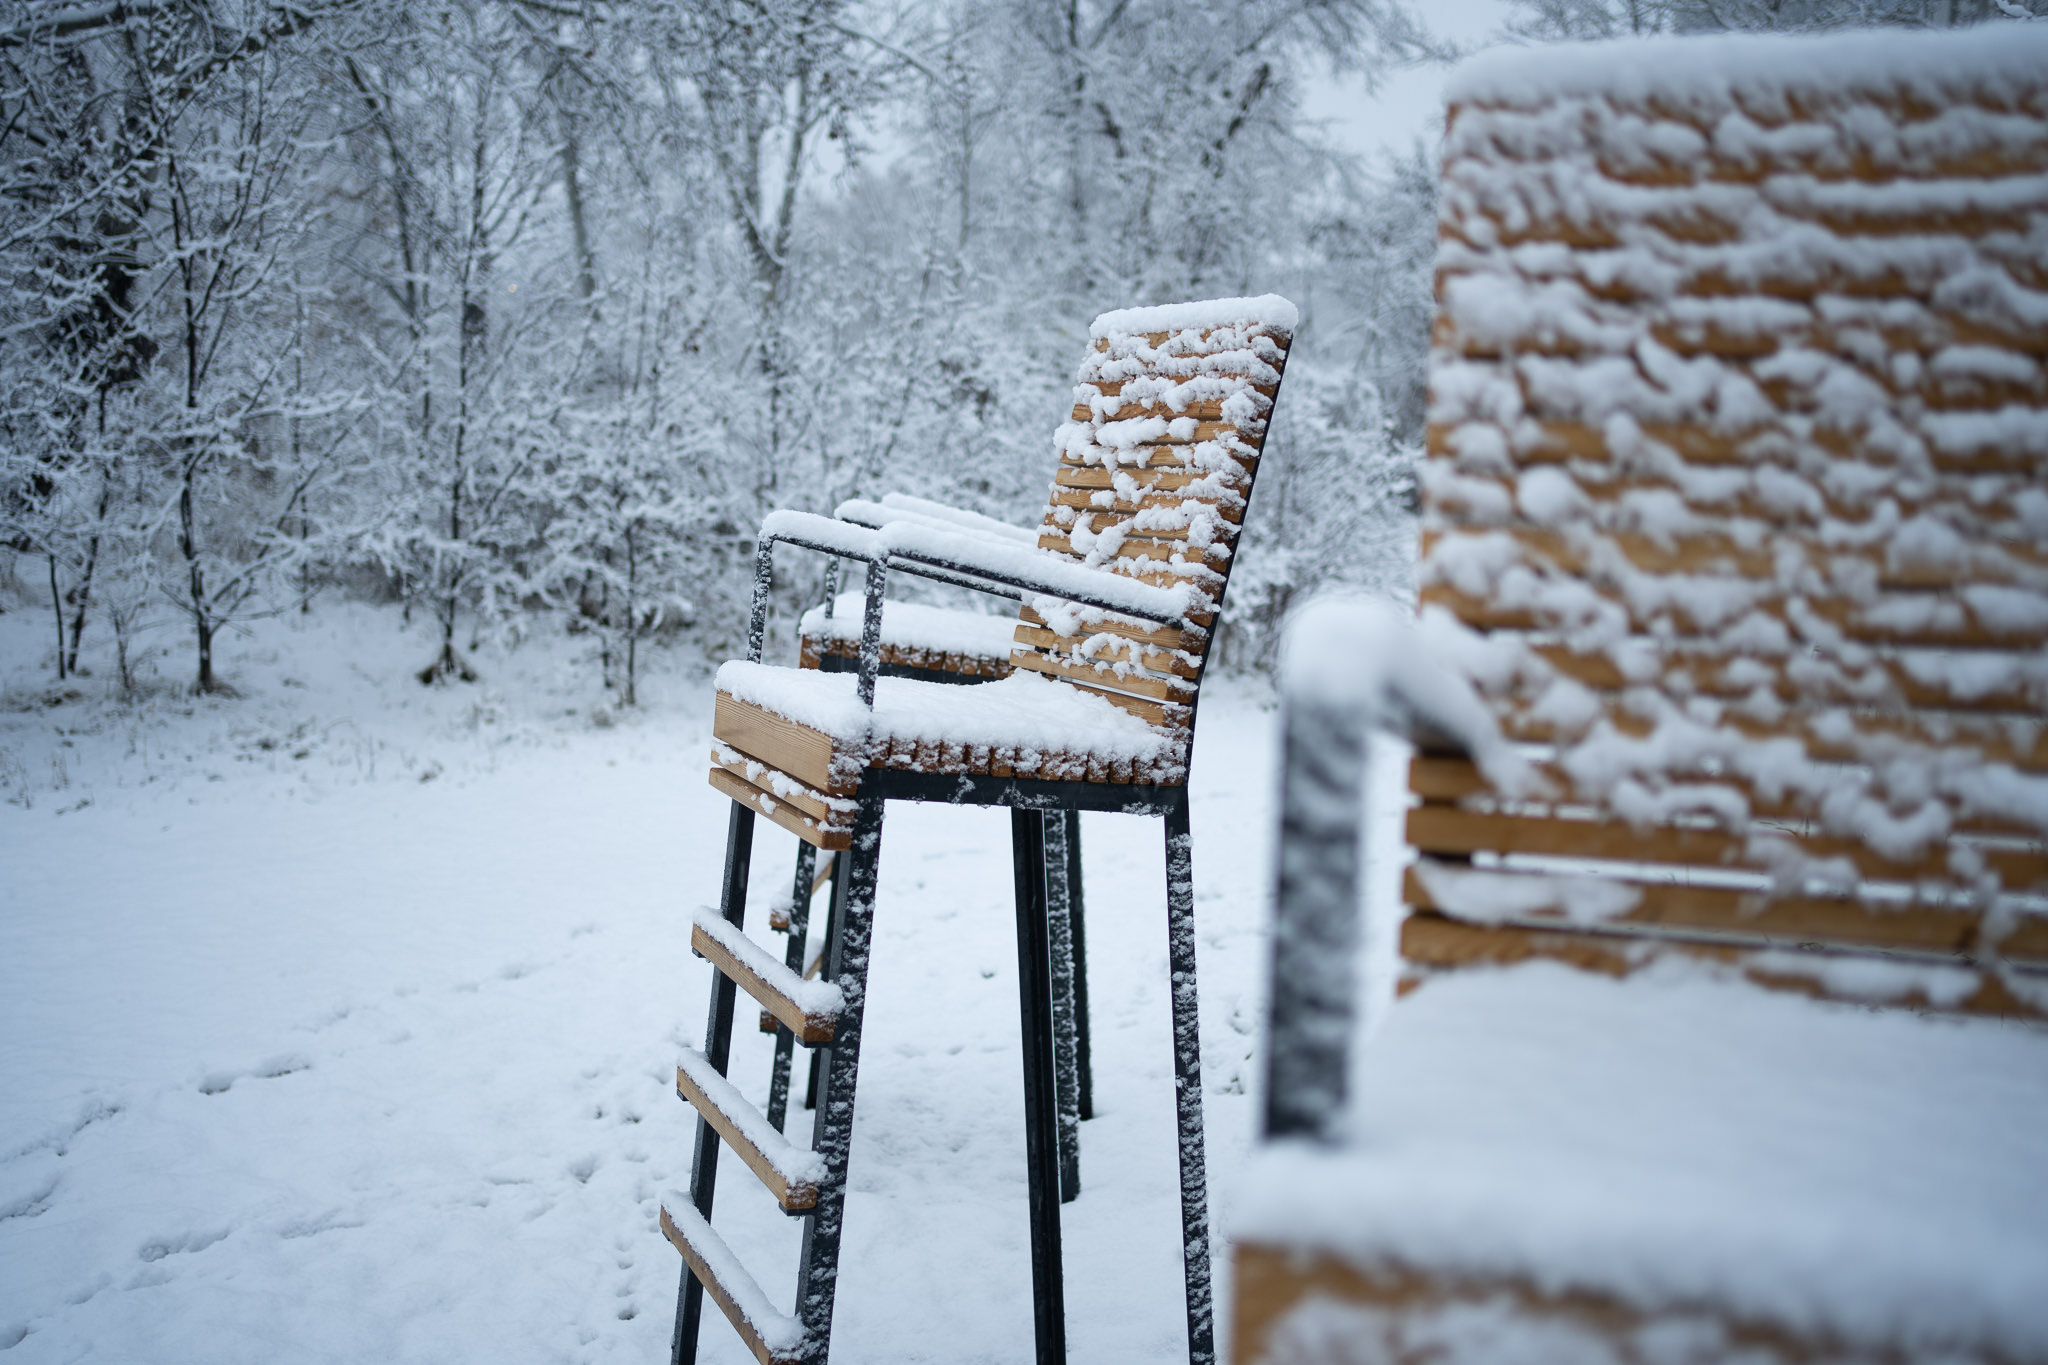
<point x="1156" y="468"/>
<point x="1738" y="493"/>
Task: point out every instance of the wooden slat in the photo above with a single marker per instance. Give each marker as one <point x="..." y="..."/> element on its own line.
<point x="1993" y="739"/>
<point x="806" y="799"/>
<point x="1431" y="940"/>
<point x="1165" y="637"/>
<point x="1095" y="476"/>
<point x="813" y="832"/>
<point x="812" y="1030"/>
<point x="1717" y="552"/>
<point x="1121" y="507"/>
<point x="1449" y="829"/>
<point x="1115" y="387"/>
<point x="793" y="1196"/>
<point x="1201" y="409"/>
<point x="1103" y="677"/>
<point x="1796" y="920"/>
<point x="1134" y="547"/>
<point x="700" y="1261"/>
<point x="1158" y="660"/>
<point x="798" y="750"/>
<point x="1886" y="682"/>
<point x="1435" y="777"/>
<point x="1205" y="430"/>
<point x="813" y="649"/>
<point x="1953" y="624"/>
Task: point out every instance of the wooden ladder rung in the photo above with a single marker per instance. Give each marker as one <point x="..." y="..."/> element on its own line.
<point x="774" y="1338"/>
<point x="791" y="1173"/>
<point x="809" y="1009"/>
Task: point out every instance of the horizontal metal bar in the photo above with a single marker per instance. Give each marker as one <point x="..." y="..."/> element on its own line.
<point x="1038" y="588"/>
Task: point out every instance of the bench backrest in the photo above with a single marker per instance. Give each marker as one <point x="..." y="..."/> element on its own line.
<point x="1156" y="467"/>
<point x="1738" y="494"/>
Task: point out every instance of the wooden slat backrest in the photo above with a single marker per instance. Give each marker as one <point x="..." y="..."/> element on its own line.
<point x="1737" y="491"/>
<point x="1155" y="473"/>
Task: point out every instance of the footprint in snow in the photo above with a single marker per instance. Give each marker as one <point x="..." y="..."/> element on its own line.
<point x="219" y="1082"/>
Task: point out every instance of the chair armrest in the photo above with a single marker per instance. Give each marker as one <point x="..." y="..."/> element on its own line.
<point x="903" y="507"/>
<point x="823" y="534"/>
<point x="920" y="544"/>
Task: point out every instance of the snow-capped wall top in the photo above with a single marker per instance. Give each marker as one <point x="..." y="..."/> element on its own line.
<point x="1269" y="309"/>
<point x="1998" y="62"/>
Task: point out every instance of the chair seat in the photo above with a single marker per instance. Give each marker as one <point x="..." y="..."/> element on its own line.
<point x="1599" y="1157"/>
<point x="914" y="636"/>
<point x="793" y="743"/>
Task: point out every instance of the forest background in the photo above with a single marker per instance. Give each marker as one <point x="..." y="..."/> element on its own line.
<point x="521" y="313"/>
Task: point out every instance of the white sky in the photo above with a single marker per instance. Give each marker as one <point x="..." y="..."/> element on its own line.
<point x="1409" y="103"/>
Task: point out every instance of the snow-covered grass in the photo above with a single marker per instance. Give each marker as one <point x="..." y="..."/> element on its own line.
<point x="339" y="1022"/>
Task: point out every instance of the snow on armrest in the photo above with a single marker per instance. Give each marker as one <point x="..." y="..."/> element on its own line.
<point x="820" y="533"/>
<point x="1365" y="653"/>
<point x="958" y="517"/>
<point x="1036" y="571"/>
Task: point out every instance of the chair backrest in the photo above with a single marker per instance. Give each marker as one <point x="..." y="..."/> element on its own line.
<point x="1156" y="467"/>
<point x="1738" y="494"/>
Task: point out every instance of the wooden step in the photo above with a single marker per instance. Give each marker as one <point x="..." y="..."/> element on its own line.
<point x="774" y="1338"/>
<point x="809" y="1009"/>
<point x="791" y="1173"/>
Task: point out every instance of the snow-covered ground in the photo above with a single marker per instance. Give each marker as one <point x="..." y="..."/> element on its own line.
<point x="338" y="1022"/>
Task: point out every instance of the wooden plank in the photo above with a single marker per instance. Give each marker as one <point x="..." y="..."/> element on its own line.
<point x="1434" y="941"/>
<point x="1159" y="661"/>
<point x="812" y="1030"/>
<point x="1136" y="547"/>
<point x="1883" y="682"/>
<point x="1201" y="409"/>
<point x="809" y="800"/>
<point x="798" y="750"/>
<point x="1942" y="621"/>
<point x="1165" y="637"/>
<point x="1796" y="920"/>
<point x="1205" y="430"/>
<point x="1227" y="509"/>
<point x="700" y="1261"/>
<point x="1100" y="521"/>
<point x="1436" y="777"/>
<point x="1095" y="476"/>
<point x="2022" y="742"/>
<point x="828" y="837"/>
<point x="1450" y="829"/>
<point x="813" y="650"/>
<point x="1104" y="677"/>
<point x="793" y="1196"/>
<point x="2007" y="562"/>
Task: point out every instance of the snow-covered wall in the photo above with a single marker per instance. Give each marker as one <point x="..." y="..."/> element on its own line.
<point x="1739" y="433"/>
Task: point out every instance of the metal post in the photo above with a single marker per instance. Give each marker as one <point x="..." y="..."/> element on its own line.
<point x="792" y="958"/>
<point x="1041" y="1122"/>
<point x="764" y="582"/>
<point x="739" y="852"/>
<point x="1187" y="1086"/>
<point x="1315" y="931"/>
<point x="853" y="895"/>
<point x="832" y="917"/>
<point x="1066" y="1062"/>
<point x="871" y="631"/>
<point x="1076" y="904"/>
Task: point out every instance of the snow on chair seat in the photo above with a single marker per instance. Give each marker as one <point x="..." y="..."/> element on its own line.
<point x="1737" y="506"/>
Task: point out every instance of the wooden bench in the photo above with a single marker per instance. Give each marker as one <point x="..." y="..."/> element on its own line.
<point x="1736" y="515"/>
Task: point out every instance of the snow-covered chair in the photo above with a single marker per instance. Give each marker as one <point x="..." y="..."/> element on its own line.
<point x="1119" y="596"/>
<point x="1735" y="523"/>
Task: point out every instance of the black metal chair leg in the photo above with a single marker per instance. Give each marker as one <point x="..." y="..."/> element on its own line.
<point x="839" y="876"/>
<point x="1066" y="1063"/>
<point x="792" y="958"/>
<point x="732" y="903"/>
<point x="1041" y="1120"/>
<point x="1187" y="1086"/>
<point x="1077" y="921"/>
<point x="846" y="962"/>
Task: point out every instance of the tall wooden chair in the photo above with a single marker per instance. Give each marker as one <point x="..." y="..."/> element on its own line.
<point x="943" y="645"/>
<point x="1734" y="515"/>
<point x="1118" y="601"/>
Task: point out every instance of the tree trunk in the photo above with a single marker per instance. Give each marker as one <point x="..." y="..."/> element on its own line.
<point x="57" y="606"/>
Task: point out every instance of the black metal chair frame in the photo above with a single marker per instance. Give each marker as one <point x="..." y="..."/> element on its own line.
<point x="1042" y="920"/>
